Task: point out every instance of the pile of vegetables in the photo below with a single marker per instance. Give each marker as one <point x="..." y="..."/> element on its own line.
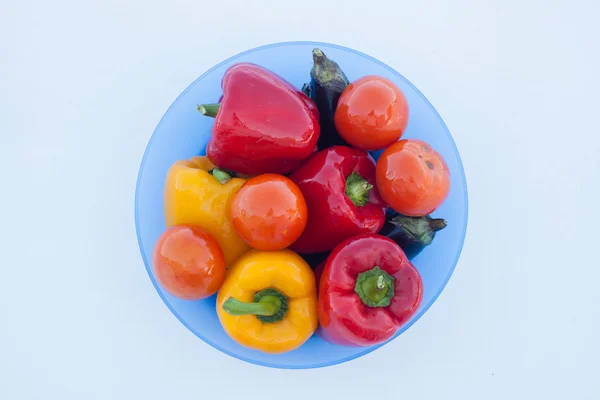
<point x="290" y="220"/>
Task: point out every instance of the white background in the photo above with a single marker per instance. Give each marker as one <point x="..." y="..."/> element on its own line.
<point x="83" y="85"/>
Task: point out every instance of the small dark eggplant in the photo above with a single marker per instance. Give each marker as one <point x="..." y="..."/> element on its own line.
<point x="412" y="234"/>
<point x="314" y="259"/>
<point x="306" y="89"/>
<point x="327" y="82"/>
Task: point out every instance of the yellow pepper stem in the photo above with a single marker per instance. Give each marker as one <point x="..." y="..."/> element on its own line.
<point x="220" y="175"/>
<point x="269" y="306"/>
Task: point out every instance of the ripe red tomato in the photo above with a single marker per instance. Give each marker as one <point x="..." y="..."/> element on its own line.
<point x="269" y="212"/>
<point x="372" y="113"/>
<point x="412" y="178"/>
<point x="188" y="262"/>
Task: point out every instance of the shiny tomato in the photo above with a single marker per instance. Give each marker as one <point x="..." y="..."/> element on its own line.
<point x="188" y="262"/>
<point x="412" y="178"/>
<point x="269" y="212"/>
<point x="372" y="113"/>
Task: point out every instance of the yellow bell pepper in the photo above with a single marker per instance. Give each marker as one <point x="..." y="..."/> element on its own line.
<point x="195" y="196"/>
<point x="268" y="301"/>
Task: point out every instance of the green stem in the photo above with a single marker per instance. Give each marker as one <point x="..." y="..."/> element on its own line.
<point x="322" y="66"/>
<point x="220" y="175"/>
<point x="318" y="56"/>
<point x="375" y="287"/>
<point x="437" y="224"/>
<point x="357" y="189"/>
<point x="268" y="305"/>
<point x="210" y="110"/>
<point x="325" y="70"/>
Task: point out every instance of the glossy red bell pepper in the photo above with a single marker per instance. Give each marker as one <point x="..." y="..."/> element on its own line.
<point x="368" y="289"/>
<point x="338" y="185"/>
<point x="263" y="124"/>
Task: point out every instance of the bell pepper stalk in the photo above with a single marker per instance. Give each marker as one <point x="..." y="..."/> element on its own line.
<point x="263" y="124"/>
<point x="268" y="301"/>
<point x="220" y="175"/>
<point x="210" y="110"/>
<point x="375" y="287"/>
<point x="269" y="305"/>
<point x="199" y="194"/>
<point x="338" y="185"/>
<point x="357" y="189"/>
<point x="368" y="289"/>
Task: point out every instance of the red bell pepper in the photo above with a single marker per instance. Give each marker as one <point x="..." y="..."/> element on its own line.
<point x="367" y="291"/>
<point x="262" y="124"/>
<point x="338" y="185"/>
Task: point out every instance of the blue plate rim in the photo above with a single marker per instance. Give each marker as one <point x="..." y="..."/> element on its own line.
<point x="368" y="349"/>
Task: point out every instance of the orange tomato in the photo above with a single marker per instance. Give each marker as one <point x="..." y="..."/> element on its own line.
<point x="372" y="113"/>
<point x="269" y="212"/>
<point x="188" y="262"/>
<point x="412" y="178"/>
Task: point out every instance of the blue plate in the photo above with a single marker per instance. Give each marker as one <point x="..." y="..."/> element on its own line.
<point x="183" y="133"/>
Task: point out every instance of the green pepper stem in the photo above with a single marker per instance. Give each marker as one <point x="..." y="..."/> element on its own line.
<point x="220" y="175"/>
<point x="357" y="189"/>
<point x="375" y="287"/>
<point x="268" y="305"/>
<point x="210" y="110"/>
